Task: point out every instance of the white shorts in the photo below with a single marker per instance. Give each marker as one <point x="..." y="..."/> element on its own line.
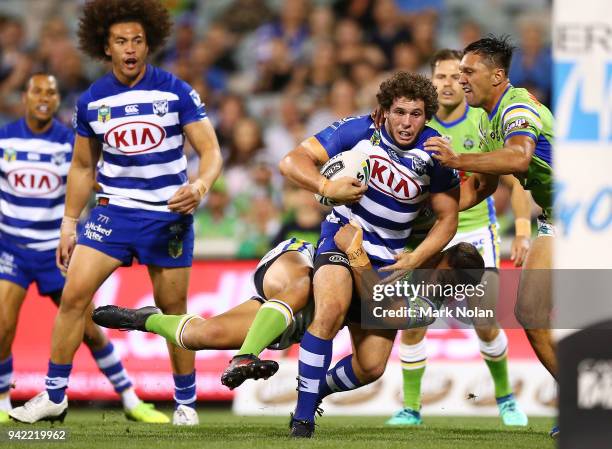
<point x="486" y="241"/>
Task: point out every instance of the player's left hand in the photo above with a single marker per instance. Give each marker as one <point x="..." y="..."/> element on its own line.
<point x="520" y="247"/>
<point x="404" y="263"/>
<point x="186" y="199"/>
<point x="442" y="151"/>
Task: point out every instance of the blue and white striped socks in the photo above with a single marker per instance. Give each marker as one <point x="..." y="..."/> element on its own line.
<point x="110" y="364"/>
<point x="185" y="389"/>
<point x="315" y="358"/>
<point x="57" y="381"/>
<point x="6" y="374"/>
<point x="340" y="378"/>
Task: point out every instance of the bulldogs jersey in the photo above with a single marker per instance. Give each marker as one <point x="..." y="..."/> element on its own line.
<point x="34" y="168"/>
<point x="401" y="180"/>
<point x="141" y="131"/>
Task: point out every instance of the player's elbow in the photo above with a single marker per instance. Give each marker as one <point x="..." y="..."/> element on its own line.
<point x="521" y="161"/>
<point x="284" y="166"/>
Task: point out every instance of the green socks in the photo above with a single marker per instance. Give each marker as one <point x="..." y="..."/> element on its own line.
<point x="414" y="360"/>
<point x="169" y="326"/>
<point x="271" y="321"/>
<point x="495" y="355"/>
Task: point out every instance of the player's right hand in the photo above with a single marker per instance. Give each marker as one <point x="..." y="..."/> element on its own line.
<point x="344" y="190"/>
<point x="349" y="237"/>
<point x="66" y="244"/>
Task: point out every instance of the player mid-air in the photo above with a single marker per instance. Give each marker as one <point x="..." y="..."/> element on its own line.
<point x="403" y="177"/>
<point x="36" y="154"/>
<point x="516" y="136"/>
<point x="458" y="123"/>
<point x="135" y="118"/>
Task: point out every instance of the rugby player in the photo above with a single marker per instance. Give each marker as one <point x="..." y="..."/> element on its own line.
<point x="458" y="123"/>
<point x="36" y="154"/>
<point x="286" y="273"/>
<point x="403" y="176"/>
<point x="135" y="118"/>
<point x="516" y="137"/>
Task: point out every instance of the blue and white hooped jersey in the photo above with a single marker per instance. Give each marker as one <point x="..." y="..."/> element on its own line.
<point x="33" y="169"/>
<point x="141" y="130"/>
<point x="401" y="180"/>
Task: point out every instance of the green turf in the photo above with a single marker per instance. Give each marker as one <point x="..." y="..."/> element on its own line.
<point x="219" y="429"/>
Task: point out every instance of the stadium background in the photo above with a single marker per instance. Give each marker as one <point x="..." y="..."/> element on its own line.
<point x="272" y="73"/>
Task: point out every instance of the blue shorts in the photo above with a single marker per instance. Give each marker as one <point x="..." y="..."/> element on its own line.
<point x="154" y="239"/>
<point x="22" y="266"/>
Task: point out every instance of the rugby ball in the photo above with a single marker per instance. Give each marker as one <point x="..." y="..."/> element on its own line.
<point x="353" y="163"/>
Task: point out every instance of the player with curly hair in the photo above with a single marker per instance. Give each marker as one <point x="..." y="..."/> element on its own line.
<point x="403" y="177"/>
<point x="135" y="118"/>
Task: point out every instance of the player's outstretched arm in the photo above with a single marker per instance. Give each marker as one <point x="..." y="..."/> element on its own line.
<point x="301" y="166"/>
<point x="513" y="158"/>
<point x="202" y="137"/>
<point x="477" y="188"/>
<point x="81" y="180"/>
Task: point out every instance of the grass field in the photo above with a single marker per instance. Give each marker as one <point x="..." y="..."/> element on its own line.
<point x="220" y="429"/>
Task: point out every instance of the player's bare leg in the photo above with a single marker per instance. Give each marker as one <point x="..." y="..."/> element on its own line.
<point x="12" y="298"/>
<point x="286" y="285"/>
<point x="534" y="301"/>
<point x="170" y="293"/>
<point x="87" y="271"/>
<point x="367" y="363"/>
<point x="333" y="288"/>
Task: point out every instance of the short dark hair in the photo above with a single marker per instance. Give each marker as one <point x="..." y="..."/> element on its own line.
<point x="99" y="15"/>
<point x="444" y="54"/>
<point x="411" y="86"/>
<point x="496" y="50"/>
<point x="467" y="263"/>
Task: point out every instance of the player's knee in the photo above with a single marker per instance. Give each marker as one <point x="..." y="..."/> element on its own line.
<point x="328" y="319"/>
<point x="531" y="316"/>
<point x="74" y="302"/>
<point x="202" y="334"/>
<point x="174" y="306"/>
<point x="371" y="372"/>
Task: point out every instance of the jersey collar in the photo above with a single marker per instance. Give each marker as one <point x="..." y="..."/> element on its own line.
<point x="494" y="111"/>
<point x="454" y="122"/>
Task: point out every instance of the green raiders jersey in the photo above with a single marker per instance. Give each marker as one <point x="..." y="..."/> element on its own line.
<point x="518" y="113"/>
<point x="463" y="136"/>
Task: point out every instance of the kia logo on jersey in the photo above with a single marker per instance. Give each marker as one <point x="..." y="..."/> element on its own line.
<point x="30" y="181"/>
<point x="135" y="137"/>
<point x="388" y="178"/>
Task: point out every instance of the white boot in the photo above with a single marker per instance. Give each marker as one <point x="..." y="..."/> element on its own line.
<point x="40" y="408"/>
<point x="185" y="416"/>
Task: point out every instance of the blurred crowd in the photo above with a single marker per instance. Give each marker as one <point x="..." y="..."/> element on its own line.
<point x="272" y="73"/>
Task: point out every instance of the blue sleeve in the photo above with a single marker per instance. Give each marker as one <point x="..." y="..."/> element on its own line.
<point x="191" y="108"/>
<point x="442" y="179"/>
<point x="79" y="119"/>
<point x="344" y="134"/>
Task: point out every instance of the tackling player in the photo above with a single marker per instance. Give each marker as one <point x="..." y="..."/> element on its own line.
<point x="36" y="152"/>
<point x="403" y="175"/>
<point x="458" y="123"/>
<point x="516" y="136"/>
<point x="135" y="118"/>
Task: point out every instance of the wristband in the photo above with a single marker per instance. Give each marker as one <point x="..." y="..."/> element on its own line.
<point x="322" y="185"/>
<point x="358" y="258"/>
<point x="199" y="185"/>
<point x="522" y="227"/>
<point x="69" y="221"/>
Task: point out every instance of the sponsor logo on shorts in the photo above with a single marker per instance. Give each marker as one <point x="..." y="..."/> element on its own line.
<point x="175" y="244"/>
<point x="96" y="232"/>
<point x="338" y="259"/>
<point x="7" y="263"/>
